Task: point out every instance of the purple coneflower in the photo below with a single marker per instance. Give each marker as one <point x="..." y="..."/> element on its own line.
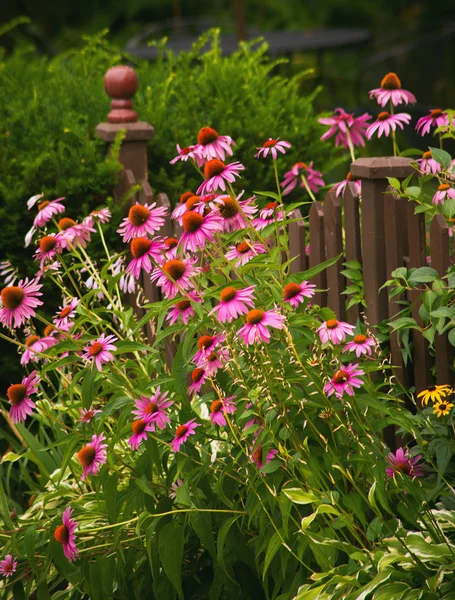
<point x="361" y="344"/>
<point x="340" y="187"/>
<point x="244" y="252"/>
<point x="99" y="351"/>
<point x="87" y="414"/>
<point x="49" y="246"/>
<point x="345" y="126"/>
<point x="257" y="320"/>
<point x="62" y="319"/>
<point x="256" y="456"/>
<point x="36" y="346"/>
<point x="8" y="565"/>
<point x="171" y="244"/>
<point x="435" y="118"/>
<point x="198" y="377"/>
<point x="46" y="209"/>
<point x="198" y="229"/>
<point x="214" y="361"/>
<point x="174" y="487"/>
<point x="219" y="408"/>
<point x="19" y="302"/>
<point x="295" y="293"/>
<point x="293" y="177"/>
<point x="142" y="249"/>
<point x="402" y="462"/>
<point x="206" y="345"/>
<point x="391" y="90"/>
<point x="64" y="534"/>
<point x="140" y="429"/>
<point x="182" y="433"/>
<point x="8" y="273"/>
<point x="19" y="397"/>
<point x="268" y="215"/>
<point x="92" y="456"/>
<point x="103" y="215"/>
<point x="190" y="152"/>
<point x="174" y="276"/>
<point x="444" y="191"/>
<point x="74" y="234"/>
<point x="335" y="331"/>
<point x="181" y="206"/>
<point x="428" y="165"/>
<point x="233" y="212"/>
<point x="233" y="303"/>
<point x="212" y="145"/>
<point x="386" y="123"/>
<point x="153" y="409"/>
<point x="216" y="175"/>
<point x="270" y="147"/>
<point x="183" y="309"/>
<point x="142" y="219"/>
<point x="344" y="380"/>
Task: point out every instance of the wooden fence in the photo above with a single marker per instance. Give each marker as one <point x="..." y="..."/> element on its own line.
<point x="378" y="230"/>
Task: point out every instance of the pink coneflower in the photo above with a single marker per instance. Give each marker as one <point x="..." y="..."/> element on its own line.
<point x="183" y="309"/>
<point x="74" y="234"/>
<point x="190" y="152"/>
<point x="335" y="331"/>
<point x="391" y="90"/>
<point x="19" y="302"/>
<point x="403" y="463"/>
<point x="386" y="123"/>
<point x="92" y="456"/>
<point x="233" y="212"/>
<point x="295" y="293"/>
<point x="214" y="361"/>
<point x="142" y="219"/>
<point x="8" y="565"/>
<point x="181" y="206"/>
<point x="46" y="209"/>
<point x="257" y="320"/>
<point x="48" y="247"/>
<point x="99" y="351"/>
<point x="9" y="273"/>
<point x="62" y="318"/>
<point x="103" y="215"/>
<point x="140" y="429"/>
<point x="64" y="534"/>
<point x="153" y="409"/>
<point x="340" y="187"/>
<point x="435" y="118"/>
<point x="216" y="174"/>
<point x="36" y="346"/>
<point x="171" y="244"/>
<point x="142" y="249"/>
<point x="206" y="345"/>
<point x="428" y="165"/>
<point x="19" y="397"/>
<point x="198" y="229"/>
<point x="175" y="270"/>
<point x="293" y="177"/>
<point x="182" y="433"/>
<point x="174" y="487"/>
<point x="244" y="252"/>
<point x="268" y="215"/>
<point x="444" y="191"/>
<point x="345" y="125"/>
<point x="212" y="145"/>
<point x="270" y="147"/>
<point x="87" y="414"/>
<point x="219" y="408"/>
<point x="256" y="456"/>
<point x="198" y="377"/>
<point x="233" y="303"/>
<point x="344" y="380"/>
<point x="361" y="344"/>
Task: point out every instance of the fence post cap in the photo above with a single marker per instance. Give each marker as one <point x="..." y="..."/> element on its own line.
<point x="382" y="167"/>
<point x="121" y="83"/>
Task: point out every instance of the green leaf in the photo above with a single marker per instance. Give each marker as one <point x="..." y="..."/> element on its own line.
<point x="130" y="346"/>
<point x="202" y="525"/>
<point x="178" y="371"/>
<point x="298" y="496"/>
<point x="72" y="442"/>
<point x="29" y="545"/>
<point x="222" y="534"/>
<point x="321" y="509"/>
<point x="413" y="191"/>
<point x="171" y="543"/>
<point x="395" y="183"/>
<point x="273" y="546"/>
<point x="41" y="456"/>
<point x="4" y="510"/>
<point x="273" y="195"/>
<point x="110" y="496"/>
<point x="316" y="269"/>
<point x="452" y="336"/>
<point x="423" y="275"/>
<point x="441" y="156"/>
<point x="88" y="387"/>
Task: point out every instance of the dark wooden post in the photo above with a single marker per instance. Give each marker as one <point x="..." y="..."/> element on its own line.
<point x="374" y="172"/>
<point x="121" y="84"/>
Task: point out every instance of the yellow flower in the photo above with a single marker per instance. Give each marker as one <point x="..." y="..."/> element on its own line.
<point x="442" y="408"/>
<point x="435" y="393"/>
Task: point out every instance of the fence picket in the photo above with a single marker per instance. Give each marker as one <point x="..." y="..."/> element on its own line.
<point x="297" y="243"/>
<point x="333" y="235"/>
<point x="317" y="250"/>
<point x="352" y="240"/>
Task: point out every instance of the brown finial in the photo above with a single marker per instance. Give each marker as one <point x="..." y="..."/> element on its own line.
<point x="121" y="84"/>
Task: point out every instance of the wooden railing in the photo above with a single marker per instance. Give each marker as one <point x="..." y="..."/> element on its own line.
<point x="378" y="230"/>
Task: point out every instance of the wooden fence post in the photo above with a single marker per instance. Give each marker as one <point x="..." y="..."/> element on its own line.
<point x="374" y="172"/>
